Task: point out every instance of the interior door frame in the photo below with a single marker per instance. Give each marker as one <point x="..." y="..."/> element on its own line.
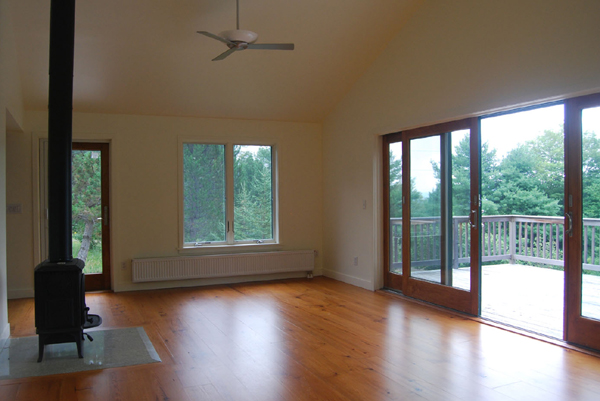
<point x="577" y="328"/>
<point x="93" y="282"/>
<point x="451" y="297"/>
<point x="101" y="281"/>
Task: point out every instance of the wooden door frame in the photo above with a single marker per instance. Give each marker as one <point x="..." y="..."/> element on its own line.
<point x="95" y="282"/>
<point x="455" y="298"/>
<point x="577" y="329"/>
<point x="390" y="280"/>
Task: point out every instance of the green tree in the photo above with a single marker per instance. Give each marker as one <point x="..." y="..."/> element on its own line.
<point x="547" y="151"/>
<point x="253" y="193"/>
<point x="86" y="200"/>
<point x="395" y="186"/>
<point x="518" y="189"/>
<point x="490" y="176"/>
<point x="396" y="190"/>
<point x="461" y="178"/>
<point x="204" y="192"/>
<point x="591" y="175"/>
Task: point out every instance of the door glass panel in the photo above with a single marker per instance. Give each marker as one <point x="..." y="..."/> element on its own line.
<point x="87" y="209"/>
<point x="431" y="258"/>
<point x="590" y="299"/>
<point x="461" y="206"/>
<point x="203" y="193"/>
<point x="425" y="210"/>
<point x="395" y="150"/>
<point x="522" y="224"/>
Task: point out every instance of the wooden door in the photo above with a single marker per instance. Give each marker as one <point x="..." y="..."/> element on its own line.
<point x="429" y="220"/>
<point x="582" y="220"/>
<point x="91" y="214"/>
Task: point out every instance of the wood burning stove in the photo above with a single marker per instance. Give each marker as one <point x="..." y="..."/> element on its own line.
<point x="59" y="282"/>
<point x="60" y="311"/>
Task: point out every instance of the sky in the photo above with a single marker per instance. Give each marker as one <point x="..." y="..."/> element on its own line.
<point x="503" y="133"/>
<point x="506" y="131"/>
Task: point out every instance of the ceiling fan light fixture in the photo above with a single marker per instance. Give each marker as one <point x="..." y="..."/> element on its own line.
<point x="239" y="35"/>
<point x="239" y="39"/>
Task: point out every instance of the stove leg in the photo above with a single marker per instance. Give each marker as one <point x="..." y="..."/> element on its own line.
<point x="41" y="349"/>
<point x="80" y="345"/>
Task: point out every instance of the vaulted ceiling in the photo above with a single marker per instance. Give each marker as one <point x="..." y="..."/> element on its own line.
<point x="144" y="56"/>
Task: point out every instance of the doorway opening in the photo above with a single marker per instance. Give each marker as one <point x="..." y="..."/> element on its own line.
<point x="90" y="210"/>
<point x="522" y="224"/>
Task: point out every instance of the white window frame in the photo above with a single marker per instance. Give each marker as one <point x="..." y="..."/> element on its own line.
<point x="229" y="201"/>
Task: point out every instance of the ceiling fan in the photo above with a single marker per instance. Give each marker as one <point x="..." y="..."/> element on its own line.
<point x="239" y="39"/>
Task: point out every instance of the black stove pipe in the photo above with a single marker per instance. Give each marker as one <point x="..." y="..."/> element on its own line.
<point x="60" y="125"/>
<point x="61" y="315"/>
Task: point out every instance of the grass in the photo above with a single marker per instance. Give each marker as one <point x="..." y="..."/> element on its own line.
<point x="93" y="264"/>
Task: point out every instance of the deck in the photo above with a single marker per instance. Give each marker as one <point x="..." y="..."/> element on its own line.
<point x="527" y="297"/>
<point x="519" y="295"/>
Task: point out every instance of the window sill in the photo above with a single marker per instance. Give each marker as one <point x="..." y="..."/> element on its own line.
<point x="211" y="249"/>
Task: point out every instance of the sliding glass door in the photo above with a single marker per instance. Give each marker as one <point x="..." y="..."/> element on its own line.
<point x="539" y="235"/>
<point x="582" y="198"/>
<point x="432" y="214"/>
<point x="541" y="216"/>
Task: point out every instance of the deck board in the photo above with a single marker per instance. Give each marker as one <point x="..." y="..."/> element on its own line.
<point x="527" y="297"/>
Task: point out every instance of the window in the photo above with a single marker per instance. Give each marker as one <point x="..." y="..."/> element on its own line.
<point x="228" y="194"/>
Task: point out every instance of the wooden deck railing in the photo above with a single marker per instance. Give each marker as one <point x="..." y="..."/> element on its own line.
<point x="537" y="239"/>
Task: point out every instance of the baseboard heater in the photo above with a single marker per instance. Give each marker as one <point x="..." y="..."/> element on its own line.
<point x="212" y="266"/>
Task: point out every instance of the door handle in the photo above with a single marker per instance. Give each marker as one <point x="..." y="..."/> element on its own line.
<point x="569" y="216"/>
<point x="473" y="221"/>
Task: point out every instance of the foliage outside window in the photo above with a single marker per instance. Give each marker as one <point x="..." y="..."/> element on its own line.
<point x="253" y="200"/>
<point x="204" y="193"/>
<point x="528" y="180"/>
<point x="213" y="217"/>
<point x="86" y="207"/>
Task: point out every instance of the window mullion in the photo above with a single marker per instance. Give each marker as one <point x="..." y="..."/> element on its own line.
<point x="229" y="224"/>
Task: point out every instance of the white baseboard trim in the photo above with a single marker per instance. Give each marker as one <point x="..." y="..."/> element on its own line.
<point x="22" y="293"/>
<point x="4" y="336"/>
<point x="359" y="282"/>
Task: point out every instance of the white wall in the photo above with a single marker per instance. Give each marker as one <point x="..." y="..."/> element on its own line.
<point x="19" y="241"/>
<point x="11" y="113"/>
<point x="144" y="186"/>
<point x="453" y="59"/>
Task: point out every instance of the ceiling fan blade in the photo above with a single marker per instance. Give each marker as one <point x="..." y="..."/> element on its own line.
<point x="271" y="46"/>
<point x="213" y="36"/>
<point x="224" y="54"/>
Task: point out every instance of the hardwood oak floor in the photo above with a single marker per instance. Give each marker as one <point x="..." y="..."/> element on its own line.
<point x="313" y="339"/>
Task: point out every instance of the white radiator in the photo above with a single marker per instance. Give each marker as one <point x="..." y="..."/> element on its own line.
<point x="209" y="266"/>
